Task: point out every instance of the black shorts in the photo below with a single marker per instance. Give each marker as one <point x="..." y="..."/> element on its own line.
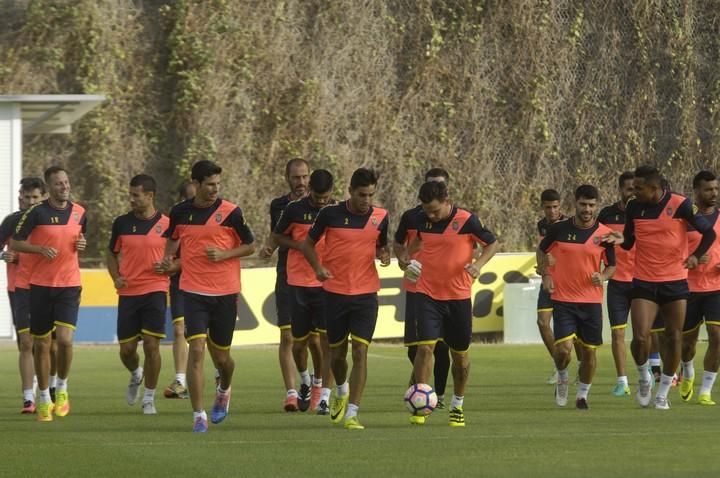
<point x="354" y="315"/>
<point x="177" y="300"/>
<point x="21" y="310"/>
<point x="307" y="311"/>
<point x="411" y="336"/>
<point x="660" y="292"/>
<point x="618" y="303"/>
<point x="53" y="306"/>
<point x="211" y="317"/>
<point x="544" y="302"/>
<point x="450" y="320"/>
<point x="140" y="315"/>
<point x="581" y="320"/>
<point x="282" y="300"/>
<point x="702" y="306"/>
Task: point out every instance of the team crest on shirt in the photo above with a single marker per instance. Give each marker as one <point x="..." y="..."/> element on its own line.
<point x="374" y="221"/>
<point x="158" y="228"/>
<point x="669" y="211"/>
<point x="76" y="216"/>
<point x="455" y="225"/>
<point x="596" y="240"/>
<point x="218" y="218"/>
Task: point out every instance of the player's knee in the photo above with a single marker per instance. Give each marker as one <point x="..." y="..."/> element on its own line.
<point x="25" y="342"/>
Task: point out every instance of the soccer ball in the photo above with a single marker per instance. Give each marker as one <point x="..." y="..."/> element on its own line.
<point x="420" y="399"/>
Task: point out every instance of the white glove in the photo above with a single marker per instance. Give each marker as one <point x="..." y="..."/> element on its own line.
<point x="413" y="270"/>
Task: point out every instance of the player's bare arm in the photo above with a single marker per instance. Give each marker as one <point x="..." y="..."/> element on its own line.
<point x="24" y="246"/>
<point x="308" y="250"/>
<point x="286" y="241"/>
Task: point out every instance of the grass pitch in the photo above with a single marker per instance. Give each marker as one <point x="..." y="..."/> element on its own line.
<point x="513" y="426"/>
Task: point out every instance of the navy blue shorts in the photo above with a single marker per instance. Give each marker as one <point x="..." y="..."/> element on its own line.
<point x="660" y="292"/>
<point x="140" y="315"/>
<point x="211" y="317"/>
<point x="307" y="311"/>
<point x="177" y="300"/>
<point x="410" y="337"/>
<point x="21" y="310"/>
<point x="354" y="315"/>
<point x="702" y="306"/>
<point x="618" y="303"/>
<point x="544" y="302"/>
<point x="282" y="300"/>
<point x="450" y="320"/>
<point x="53" y="306"/>
<point x="581" y="320"/>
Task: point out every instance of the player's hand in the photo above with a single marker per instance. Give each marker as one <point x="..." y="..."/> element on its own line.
<point x="81" y="243"/>
<point x="614" y="237"/>
<point x="9" y="256"/>
<point x="691" y="262"/>
<point x="48" y="252"/>
<point x="120" y="283"/>
<point x="548" y="283"/>
<point x="266" y="252"/>
<point x="551" y="261"/>
<point x="166" y="263"/>
<point x="473" y="270"/>
<point x="704" y="259"/>
<point x="323" y="274"/>
<point x="214" y="254"/>
<point x="413" y="271"/>
<point x="597" y="279"/>
<point x="383" y="254"/>
<point x="403" y="262"/>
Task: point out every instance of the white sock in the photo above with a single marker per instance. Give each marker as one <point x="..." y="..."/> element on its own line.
<point x="457" y="402"/>
<point x="201" y="413"/>
<point x="352" y="411"/>
<point x="708" y="382"/>
<point x="644" y="371"/>
<point x="305" y="378"/>
<point x="292" y="392"/>
<point x="29" y="395"/>
<point x="665" y="384"/>
<point x="137" y="374"/>
<point x="654" y="362"/>
<point x="182" y="378"/>
<point x="45" y="396"/>
<point x="583" y="390"/>
<point x="217" y="373"/>
<point x="343" y="389"/>
<point x="563" y="375"/>
<point x="53" y="380"/>
<point x="325" y="395"/>
<point x="688" y="369"/>
<point x="221" y="391"/>
<point x="317" y="382"/>
<point x="35" y="383"/>
<point x="622" y="380"/>
<point x="61" y="385"/>
<point x="149" y="395"/>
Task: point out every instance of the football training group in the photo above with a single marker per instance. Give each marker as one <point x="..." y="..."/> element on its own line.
<point x="656" y="251"/>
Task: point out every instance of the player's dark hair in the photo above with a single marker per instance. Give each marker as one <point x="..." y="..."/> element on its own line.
<point x="433" y="190"/>
<point x="33" y="182"/>
<point x="703" y="175"/>
<point x="626" y="176"/>
<point x="182" y="190"/>
<point x="363" y="177"/>
<point x="146" y="181"/>
<point x="437" y="173"/>
<point x="321" y="181"/>
<point x="52" y="170"/>
<point x="293" y="162"/>
<point x="549" y="195"/>
<point x="649" y="173"/>
<point x="587" y="191"/>
<point x="203" y="169"/>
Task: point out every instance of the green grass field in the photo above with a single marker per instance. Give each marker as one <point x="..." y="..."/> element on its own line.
<point x="513" y="426"/>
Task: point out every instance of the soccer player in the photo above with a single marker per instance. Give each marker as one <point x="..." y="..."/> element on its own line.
<point x="307" y="299"/>
<point x="51" y="233"/>
<point x="619" y="286"/>
<point x="135" y="253"/>
<point x="213" y="236"/>
<point x="404" y="247"/>
<point x="178" y="387"/>
<point x="575" y="283"/>
<point x="355" y="235"/>
<point x="32" y="191"/>
<point x="656" y="225"/>
<point x="443" y="306"/>
<point x="297" y="175"/>
<point x="704" y="302"/>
